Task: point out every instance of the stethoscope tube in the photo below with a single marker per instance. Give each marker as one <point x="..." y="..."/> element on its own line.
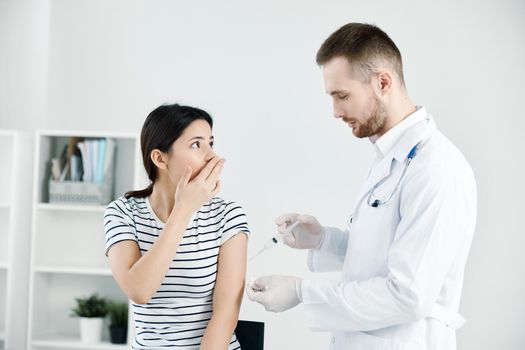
<point x="376" y="203"/>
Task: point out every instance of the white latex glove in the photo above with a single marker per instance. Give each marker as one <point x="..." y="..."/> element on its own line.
<point x="275" y="293"/>
<point x="308" y="234"/>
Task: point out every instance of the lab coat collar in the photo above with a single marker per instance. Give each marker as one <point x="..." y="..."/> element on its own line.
<point x="414" y="136"/>
<point x="386" y="143"/>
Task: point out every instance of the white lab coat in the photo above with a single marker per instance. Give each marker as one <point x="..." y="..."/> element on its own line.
<point x="403" y="262"/>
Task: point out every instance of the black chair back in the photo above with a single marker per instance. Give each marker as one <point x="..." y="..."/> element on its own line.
<point x="250" y="335"/>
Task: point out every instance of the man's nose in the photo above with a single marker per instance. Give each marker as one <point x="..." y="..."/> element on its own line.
<point x="338" y="113"/>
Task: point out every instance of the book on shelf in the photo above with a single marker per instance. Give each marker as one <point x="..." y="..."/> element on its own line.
<point x="87" y="160"/>
<point x="83" y="172"/>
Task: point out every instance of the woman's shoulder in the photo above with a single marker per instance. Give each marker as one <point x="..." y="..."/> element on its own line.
<point x="229" y="214"/>
<point x="127" y="204"/>
<point x="219" y="204"/>
<point x="219" y="207"/>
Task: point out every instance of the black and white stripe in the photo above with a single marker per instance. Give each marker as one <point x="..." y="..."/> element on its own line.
<point x="178" y="313"/>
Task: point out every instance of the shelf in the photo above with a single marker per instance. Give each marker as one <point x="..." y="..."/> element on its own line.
<point x="5" y="205"/>
<point x="2" y="335"/>
<point x="75" y="343"/>
<point x="71" y="207"/>
<point x="3" y="265"/>
<point x="68" y="246"/>
<point x="73" y="270"/>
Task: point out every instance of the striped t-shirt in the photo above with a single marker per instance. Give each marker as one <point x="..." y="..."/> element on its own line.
<point x="178" y="313"/>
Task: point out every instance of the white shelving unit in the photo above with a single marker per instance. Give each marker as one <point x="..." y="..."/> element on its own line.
<point x="67" y="247"/>
<point x="8" y="140"/>
<point x="15" y="193"/>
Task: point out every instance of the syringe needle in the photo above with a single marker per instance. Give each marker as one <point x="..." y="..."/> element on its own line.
<point x="273" y="241"/>
<point x="259" y="252"/>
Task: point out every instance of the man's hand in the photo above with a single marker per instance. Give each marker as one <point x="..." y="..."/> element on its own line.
<point x="275" y="293"/>
<point x="307" y="234"/>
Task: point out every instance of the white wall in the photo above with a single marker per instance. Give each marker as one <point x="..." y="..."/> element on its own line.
<point x="3" y="56"/>
<point x="24" y="48"/>
<point x="103" y="65"/>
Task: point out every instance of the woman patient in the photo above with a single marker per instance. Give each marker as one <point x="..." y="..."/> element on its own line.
<point x="174" y="248"/>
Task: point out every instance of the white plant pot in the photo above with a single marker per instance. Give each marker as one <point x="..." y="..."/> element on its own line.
<point x="91" y="329"/>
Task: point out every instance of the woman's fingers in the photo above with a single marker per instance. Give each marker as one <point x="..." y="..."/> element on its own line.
<point x="185" y="177"/>
<point x="213" y="177"/>
<point x="217" y="189"/>
<point x="205" y="185"/>
<point x="206" y="171"/>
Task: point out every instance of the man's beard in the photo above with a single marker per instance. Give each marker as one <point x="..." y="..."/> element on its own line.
<point x="374" y="123"/>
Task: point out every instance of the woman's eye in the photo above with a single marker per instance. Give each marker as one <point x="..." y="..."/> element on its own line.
<point x="196" y="144"/>
<point x="343" y="97"/>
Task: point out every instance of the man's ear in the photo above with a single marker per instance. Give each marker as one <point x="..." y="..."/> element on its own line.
<point x="384" y="82"/>
<point x="159" y="158"/>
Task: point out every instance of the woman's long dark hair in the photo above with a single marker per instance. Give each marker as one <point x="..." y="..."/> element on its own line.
<point x="162" y="127"/>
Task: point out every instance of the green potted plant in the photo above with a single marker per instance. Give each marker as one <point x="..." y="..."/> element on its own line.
<point x="118" y="328"/>
<point x="91" y="311"/>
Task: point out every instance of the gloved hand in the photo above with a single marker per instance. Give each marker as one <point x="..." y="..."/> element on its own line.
<point x="308" y="234"/>
<point x="275" y="293"/>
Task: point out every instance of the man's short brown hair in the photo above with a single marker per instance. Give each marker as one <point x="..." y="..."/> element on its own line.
<point x="365" y="46"/>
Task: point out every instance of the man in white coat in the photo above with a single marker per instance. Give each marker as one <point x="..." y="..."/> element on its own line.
<point x="403" y="257"/>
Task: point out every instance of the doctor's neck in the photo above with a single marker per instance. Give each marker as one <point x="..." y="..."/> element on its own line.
<point x="399" y="107"/>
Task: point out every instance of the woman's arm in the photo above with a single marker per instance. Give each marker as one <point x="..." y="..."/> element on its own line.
<point x="227" y="295"/>
<point x="140" y="276"/>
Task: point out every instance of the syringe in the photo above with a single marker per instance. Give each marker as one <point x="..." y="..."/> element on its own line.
<point x="272" y="242"/>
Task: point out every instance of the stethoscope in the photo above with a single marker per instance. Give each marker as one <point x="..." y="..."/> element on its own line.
<point x="377" y="202"/>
